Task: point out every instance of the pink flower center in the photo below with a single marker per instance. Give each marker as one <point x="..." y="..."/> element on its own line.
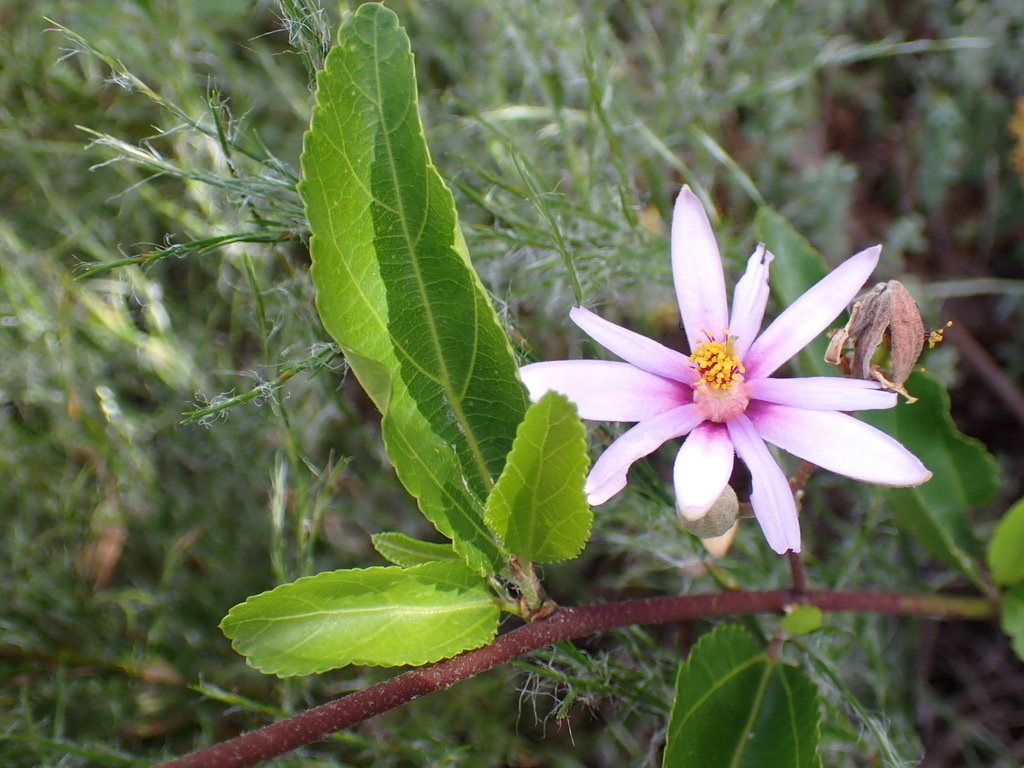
<point x="721" y="393"/>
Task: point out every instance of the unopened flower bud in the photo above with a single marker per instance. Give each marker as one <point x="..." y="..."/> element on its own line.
<point x="716" y="520"/>
<point x="718" y="546"/>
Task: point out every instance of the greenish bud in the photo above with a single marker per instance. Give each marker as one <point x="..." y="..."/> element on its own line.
<point x="718" y="518"/>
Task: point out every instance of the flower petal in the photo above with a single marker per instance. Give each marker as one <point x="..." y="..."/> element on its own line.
<point x="749" y="300"/>
<point x="822" y="393"/>
<point x="608" y="475"/>
<point x="697" y="271"/>
<point x="809" y="315"/>
<point x="638" y="350"/>
<point x="604" y="390"/>
<point x="838" y="442"/>
<point x="702" y="469"/>
<point x="772" y="498"/>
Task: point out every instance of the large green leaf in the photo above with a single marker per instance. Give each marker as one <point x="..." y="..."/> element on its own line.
<point x="963" y="475"/>
<point x="538" y="507"/>
<point x="379" y="616"/>
<point x="395" y="286"/>
<point x="1012" y="615"/>
<point x="737" y="707"/>
<point x="1006" y="550"/>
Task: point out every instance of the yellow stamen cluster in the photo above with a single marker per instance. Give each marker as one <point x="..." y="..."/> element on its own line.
<point x="936" y="336"/>
<point x="717" y="363"/>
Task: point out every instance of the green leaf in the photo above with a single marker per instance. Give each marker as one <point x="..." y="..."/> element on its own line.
<point x="802" y="619"/>
<point x="935" y="513"/>
<point x="796" y="268"/>
<point x="1012" y="610"/>
<point x="538" y="507"/>
<point x="1006" y="551"/>
<point x="378" y="616"/>
<point x="964" y="475"/>
<point x="395" y="287"/>
<point x="405" y="551"/>
<point x="735" y="706"/>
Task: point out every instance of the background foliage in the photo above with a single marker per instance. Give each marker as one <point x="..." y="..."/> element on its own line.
<point x="565" y="130"/>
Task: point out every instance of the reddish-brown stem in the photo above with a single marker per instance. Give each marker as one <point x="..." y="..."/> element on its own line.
<point x="566" y="624"/>
<point x="803" y="474"/>
<point x="796" y="568"/>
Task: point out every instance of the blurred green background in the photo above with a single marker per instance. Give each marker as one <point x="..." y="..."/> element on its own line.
<point x="177" y="432"/>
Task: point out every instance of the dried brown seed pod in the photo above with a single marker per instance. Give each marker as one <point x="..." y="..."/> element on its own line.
<point x="886" y="316"/>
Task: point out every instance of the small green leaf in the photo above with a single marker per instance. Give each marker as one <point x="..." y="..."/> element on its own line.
<point x="1006" y="551"/>
<point x="538" y="507"/>
<point x="964" y="475"/>
<point x="395" y="287"/>
<point x="1012" y="609"/>
<point x="735" y="706"/>
<point x="405" y="551"/>
<point x="796" y="268"/>
<point x="377" y="616"/>
<point x="802" y="619"/>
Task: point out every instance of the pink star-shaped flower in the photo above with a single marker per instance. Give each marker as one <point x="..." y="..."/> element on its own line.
<point x="722" y="396"/>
